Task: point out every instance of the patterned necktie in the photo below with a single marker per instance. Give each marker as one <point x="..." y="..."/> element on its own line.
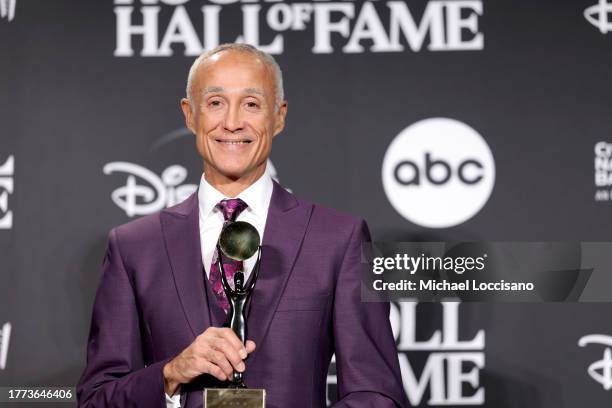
<point x="231" y="209"/>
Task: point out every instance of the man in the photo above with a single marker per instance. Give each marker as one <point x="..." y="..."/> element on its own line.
<point x="158" y="315"/>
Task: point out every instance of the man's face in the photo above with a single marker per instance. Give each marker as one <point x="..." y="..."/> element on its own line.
<point x="234" y="116"/>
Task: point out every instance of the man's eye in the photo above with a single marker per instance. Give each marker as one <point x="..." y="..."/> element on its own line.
<point x="214" y="103"/>
<point x="252" y="104"/>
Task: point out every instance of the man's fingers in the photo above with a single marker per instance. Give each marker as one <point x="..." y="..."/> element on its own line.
<point x="229" y="335"/>
<point x="215" y="371"/>
<point x="222" y="345"/>
<point x="250" y="346"/>
<point x="218" y="358"/>
<point x="222" y="352"/>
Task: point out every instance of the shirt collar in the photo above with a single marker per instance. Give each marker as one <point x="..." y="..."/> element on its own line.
<point x="257" y="196"/>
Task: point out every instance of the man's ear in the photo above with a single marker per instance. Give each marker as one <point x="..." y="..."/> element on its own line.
<point x="188" y="113"/>
<point x="281" y="114"/>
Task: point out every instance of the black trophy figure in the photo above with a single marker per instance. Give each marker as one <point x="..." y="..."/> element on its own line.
<point x="238" y="241"/>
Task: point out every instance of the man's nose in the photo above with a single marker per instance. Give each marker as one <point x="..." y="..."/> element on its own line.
<point x="233" y="119"/>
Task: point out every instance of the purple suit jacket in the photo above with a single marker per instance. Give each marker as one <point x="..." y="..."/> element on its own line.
<point x="151" y="304"/>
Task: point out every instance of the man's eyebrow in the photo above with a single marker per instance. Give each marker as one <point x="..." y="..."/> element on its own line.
<point x="219" y="89"/>
<point x="255" y="91"/>
<point x="212" y="89"/>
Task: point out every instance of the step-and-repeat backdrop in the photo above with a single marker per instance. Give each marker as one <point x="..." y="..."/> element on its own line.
<point x="434" y="120"/>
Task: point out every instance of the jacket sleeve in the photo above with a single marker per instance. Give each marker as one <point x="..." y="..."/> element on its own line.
<point x="115" y="375"/>
<point x="366" y="358"/>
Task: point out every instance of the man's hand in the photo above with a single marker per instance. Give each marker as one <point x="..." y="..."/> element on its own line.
<point x="217" y="351"/>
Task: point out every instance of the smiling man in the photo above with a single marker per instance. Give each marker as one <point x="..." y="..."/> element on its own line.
<point x="157" y="335"/>
<point x="235" y="111"/>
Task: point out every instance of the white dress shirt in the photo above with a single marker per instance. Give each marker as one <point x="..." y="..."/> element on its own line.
<point x="257" y="196"/>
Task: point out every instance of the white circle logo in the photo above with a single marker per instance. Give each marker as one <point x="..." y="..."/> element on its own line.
<point x="438" y="173"/>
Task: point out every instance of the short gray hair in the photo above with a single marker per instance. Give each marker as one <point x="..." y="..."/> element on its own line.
<point x="246" y="48"/>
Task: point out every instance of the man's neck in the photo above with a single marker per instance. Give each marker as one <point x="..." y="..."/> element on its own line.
<point x="231" y="187"/>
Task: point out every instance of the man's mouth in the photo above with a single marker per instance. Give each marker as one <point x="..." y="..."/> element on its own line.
<point x="233" y="142"/>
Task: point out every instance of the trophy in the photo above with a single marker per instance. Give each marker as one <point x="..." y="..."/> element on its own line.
<point x="238" y="241"/>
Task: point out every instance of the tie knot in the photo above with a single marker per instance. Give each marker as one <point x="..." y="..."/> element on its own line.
<point x="231" y="208"/>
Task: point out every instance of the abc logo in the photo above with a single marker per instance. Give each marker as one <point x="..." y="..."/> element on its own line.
<point x="438" y="173"/>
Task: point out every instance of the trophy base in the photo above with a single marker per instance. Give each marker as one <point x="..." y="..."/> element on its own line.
<point x="234" y="398"/>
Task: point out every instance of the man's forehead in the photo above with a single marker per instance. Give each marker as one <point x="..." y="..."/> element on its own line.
<point x="232" y="58"/>
<point x="252" y="68"/>
<point x="234" y="72"/>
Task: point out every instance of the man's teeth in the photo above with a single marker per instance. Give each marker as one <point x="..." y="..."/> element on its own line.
<point x="234" y="142"/>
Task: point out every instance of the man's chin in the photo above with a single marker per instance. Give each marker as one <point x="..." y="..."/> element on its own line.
<point x="234" y="174"/>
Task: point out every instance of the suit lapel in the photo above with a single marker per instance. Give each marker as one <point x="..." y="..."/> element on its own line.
<point x="285" y="230"/>
<point x="181" y="231"/>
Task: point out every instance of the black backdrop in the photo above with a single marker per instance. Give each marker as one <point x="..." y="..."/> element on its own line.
<point x="531" y="79"/>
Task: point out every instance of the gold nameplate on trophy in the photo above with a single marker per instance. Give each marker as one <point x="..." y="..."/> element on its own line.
<point x="234" y="398"/>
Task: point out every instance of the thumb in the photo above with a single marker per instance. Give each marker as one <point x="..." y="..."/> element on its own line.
<point x="250" y="346"/>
